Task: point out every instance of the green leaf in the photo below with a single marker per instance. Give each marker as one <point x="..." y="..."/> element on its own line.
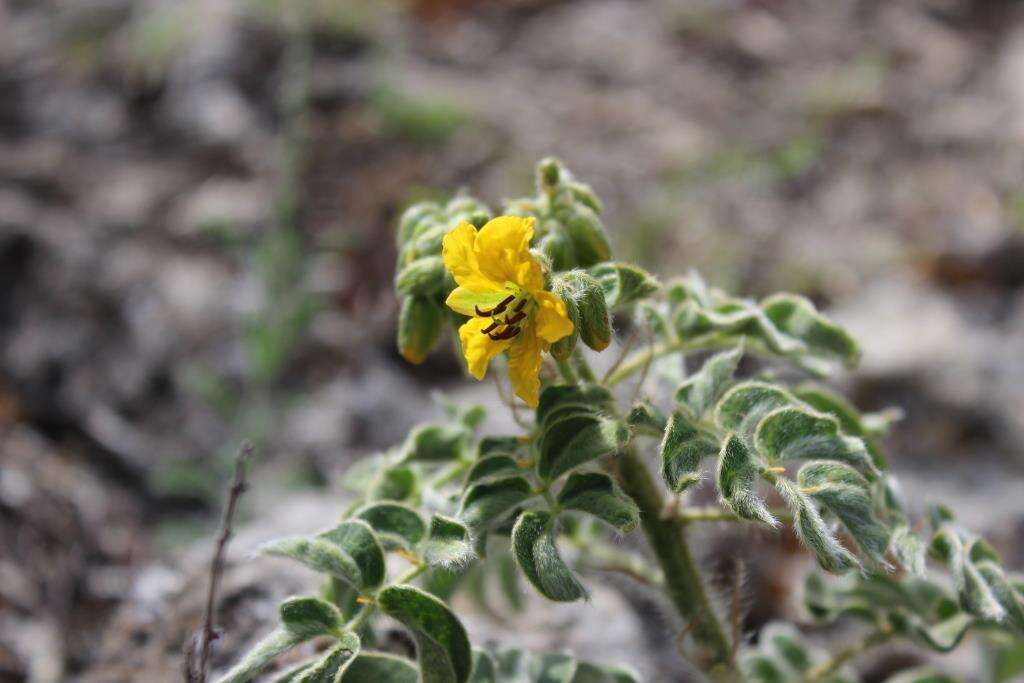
<point x="533" y="544"/>
<point x="920" y="675"/>
<point x="703" y="389"/>
<point x="306" y="617"/>
<point x="495" y="445"/>
<point x="492" y="467"/>
<point x="794" y="433"/>
<point x="559" y="397"/>
<point x="797" y="317"/>
<point x="356" y="539"/>
<point x="394" y="483"/>
<point x="486" y="503"/>
<point x="786" y="644"/>
<point x="850" y="419"/>
<point x="845" y="493"/>
<point x="682" y="449"/>
<point x="442" y="647"/>
<point x="317" y="554"/>
<point x="598" y="495"/>
<point x="435" y="443"/>
<point x="267" y="650"/>
<point x="738" y="472"/>
<point x="448" y="544"/>
<point x="947" y="634"/>
<point x="587" y="672"/>
<point x="396" y="525"/>
<point x="331" y="664"/>
<point x="813" y="531"/>
<point x="577" y="439"/>
<point x="624" y="283"/>
<point x="484" y="669"/>
<point x="743" y="406"/>
<point x="379" y="667"/>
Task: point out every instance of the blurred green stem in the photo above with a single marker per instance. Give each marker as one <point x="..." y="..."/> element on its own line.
<point x="683" y="582"/>
<point x="841" y="658"/>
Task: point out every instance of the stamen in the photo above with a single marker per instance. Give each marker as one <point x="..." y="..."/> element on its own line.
<point x="507" y="333"/>
<point x="514" y="319"/>
<point x="500" y="308"/>
<point x="520" y="306"/>
<point x="490" y="328"/>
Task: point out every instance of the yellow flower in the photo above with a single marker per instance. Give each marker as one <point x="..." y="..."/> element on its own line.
<point x="501" y="287"/>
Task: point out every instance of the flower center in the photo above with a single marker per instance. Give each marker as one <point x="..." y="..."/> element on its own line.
<point x="507" y="316"/>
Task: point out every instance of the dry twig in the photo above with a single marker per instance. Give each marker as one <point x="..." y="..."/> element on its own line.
<point x="195" y="671"/>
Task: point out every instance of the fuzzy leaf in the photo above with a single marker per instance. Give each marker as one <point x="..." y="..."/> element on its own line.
<point x="920" y="675"/>
<point x="448" y="544"/>
<point x="598" y="495"/>
<point x="743" y="406"/>
<point x="492" y="467"/>
<point x="738" y="472"/>
<point x="797" y="317"/>
<point x="267" y="650"/>
<point x="306" y="617"/>
<point x="794" y="433"/>
<point x="332" y="663"/>
<point x="397" y="526"/>
<point x="850" y="419"/>
<point x="703" y="389"/>
<point x="624" y="283"/>
<point x="317" y="554"/>
<point x="682" y="449"/>
<point x="845" y="493"/>
<point x="488" y="502"/>
<point x="533" y="544"/>
<point x="394" y="483"/>
<point x="435" y="443"/>
<point x="442" y="647"/>
<point x="356" y="539"/>
<point x="495" y="445"/>
<point x="379" y="667"/>
<point x="813" y="531"/>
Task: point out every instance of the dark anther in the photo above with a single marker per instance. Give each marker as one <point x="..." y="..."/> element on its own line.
<point x="520" y="306"/>
<point x="490" y="328"/>
<point x="507" y="333"/>
<point x="500" y="308"/>
<point x="514" y="319"/>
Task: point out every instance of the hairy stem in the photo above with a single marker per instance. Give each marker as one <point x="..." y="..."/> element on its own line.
<point x="716" y="514"/>
<point x="683" y="582"/>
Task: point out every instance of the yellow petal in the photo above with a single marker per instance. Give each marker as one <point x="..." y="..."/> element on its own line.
<point x="524" y="366"/>
<point x="503" y="252"/>
<point x="460" y="258"/>
<point x="478" y="348"/>
<point x="553" y="320"/>
<point x="464" y="301"/>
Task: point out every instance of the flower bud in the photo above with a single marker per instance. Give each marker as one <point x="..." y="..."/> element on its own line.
<point x="556" y="247"/>
<point x="586" y="233"/>
<point x="586" y="306"/>
<point x="423" y="277"/>
<point x="549" y="172"/>
<point x="415" y="218"/>
<point x="419" y="328"/>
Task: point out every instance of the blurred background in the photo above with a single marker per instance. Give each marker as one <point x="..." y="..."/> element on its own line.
<point x="197" y="208"/>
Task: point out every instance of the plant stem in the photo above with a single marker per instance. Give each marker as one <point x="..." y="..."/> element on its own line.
<point x="836" y="662"/>
<point x="638" y="360"/>
<point x="683" y="582"/>
<point x="568" y="374"/>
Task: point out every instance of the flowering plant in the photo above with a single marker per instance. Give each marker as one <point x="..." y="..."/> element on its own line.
<point x="432" y="516"/>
